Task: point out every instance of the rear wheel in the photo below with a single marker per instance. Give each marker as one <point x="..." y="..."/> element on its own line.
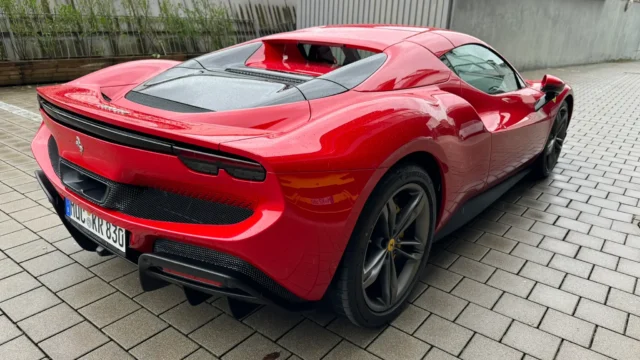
<point x="553" y="148"/>
<point x="388" y="248"/>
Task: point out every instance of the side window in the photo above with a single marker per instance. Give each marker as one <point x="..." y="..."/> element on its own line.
<point x="482" y="69"/>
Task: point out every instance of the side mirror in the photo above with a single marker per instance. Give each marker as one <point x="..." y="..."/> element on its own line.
<point x="551" y="86"/>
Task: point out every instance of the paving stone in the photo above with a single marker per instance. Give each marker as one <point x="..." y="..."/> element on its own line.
<point x="109" y="350"/>
<point x="482" y="348"/>
<point x="440" y="278"/>
<point x="113" y="269"/>
<point x="607" y="234"/>
<point x="569" y="351"/>
<point x="584" y="240"/>
<point x="139" y="326"/>
<point x="468" y="249"/>
<point x="517" y="221"/>
<point x="624" y="301"/>
<point x="496" y="242"/>
<point x="598" y="258"/>
<point x="74" y="342"/>
<point x="483" y="321"/>
<point x="585" y="288"/>
<point x="567" y="327"/>
<point x="524" y="236"/>
<point x="129" y="284"/>
<point x="472" y="269"/>
<point x="549" y="230"/>
<point x="489" y="226"/>
<point x="163" y="299"/>
<point x="15" y="206"/>
<point x="85" y="292"/>
<point x="30" y="303"/>
<point x="357" y="335"/>
<point x="467" y="234"/>
<point x="68" y="246"/>
<point x="538" y="215"/>
<point x="202" y="354"/>
<point x="533" y="204"/>
<point x="20" y="346"/>
<point x="46" y="263"/>
<point x="595" y="220"/>
<point x="508" y="282"/>
<point x="49" y="322"/>
<point x="8" y="267"/>
<point x="437" y="354"/>
<point x="633" y="327"/>
<point x="42" y="223"/>
<point x="410" y="319"/>
<point x="443" y="334"/>
<point x="615" y="345"/>
<point x="601" y="315"/>
<point x="503" y="261"/>
<point x="629" y="267"/>
<point x="520" y="309"/>
<point x="311" y="341"/>
<point x="109" y="309"/>
<point x="54" y="234"/>
<point x="542" y="274"/>
<point x="16" y="238"/>
<point x="572" y="195"/>
<point x="613" y="279"/>
<point x="30" y="250"/>
<point x="30" y="214"/>
<point x="476" y="292"/>
<point x="559" y="247"/>
<point x="8" y="330"/>
<point x="345" y="350"/>
<point x="553" y="199"/>
<point x="580" y="206"/>
<point x="16" y="285"/>
<point x="571" y="266"/>
<point x="554" y="298"/>
<point x="168" y="344"/>
<point x="623" y="251"/>
<point x="532" y="341"/>
<point x="442" y="258"/>
<point x="187" y="318"/>
<point x="65" y="277"/>
<point x="532" y="253"/>
<point x="441" y="303"/>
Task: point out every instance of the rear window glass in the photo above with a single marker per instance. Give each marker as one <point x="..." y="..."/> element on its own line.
<point x="332" y="55"/>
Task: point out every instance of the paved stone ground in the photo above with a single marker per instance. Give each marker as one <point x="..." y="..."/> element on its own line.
<point x="550" y="271"/>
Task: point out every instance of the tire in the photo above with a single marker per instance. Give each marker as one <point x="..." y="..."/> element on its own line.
<point x="548" y="159"/>
<point x="351" y="293"/>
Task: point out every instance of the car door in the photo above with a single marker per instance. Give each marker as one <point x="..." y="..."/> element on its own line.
<point x="505" y="106"/>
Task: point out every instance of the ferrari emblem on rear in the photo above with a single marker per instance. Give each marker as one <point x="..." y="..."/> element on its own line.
<point x="79" y="145"/>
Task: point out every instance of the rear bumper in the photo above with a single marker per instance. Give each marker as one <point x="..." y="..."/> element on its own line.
<point x="158" y="270"/>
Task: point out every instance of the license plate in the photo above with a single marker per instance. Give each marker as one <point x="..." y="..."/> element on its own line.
<point x="112" y="235"/>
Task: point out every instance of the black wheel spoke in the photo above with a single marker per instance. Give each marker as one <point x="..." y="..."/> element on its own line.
<point x="409" y="255"/>
<point x="410" y="212"/>
<point x="417" y="244"/>
<point x="389" y="282"/>
<point x="373" y="267"/>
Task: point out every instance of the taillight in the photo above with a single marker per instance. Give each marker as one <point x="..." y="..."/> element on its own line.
<point x="211" y="163"/>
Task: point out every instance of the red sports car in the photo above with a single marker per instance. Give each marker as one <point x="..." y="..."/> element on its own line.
<point x="316" y="164"/>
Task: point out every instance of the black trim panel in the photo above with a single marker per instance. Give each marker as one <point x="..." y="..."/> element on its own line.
<point x="476" y="205"/>
<point x="105" y="132"/>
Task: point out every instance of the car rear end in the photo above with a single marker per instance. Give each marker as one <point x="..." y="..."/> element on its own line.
<point x="137" y="170"/>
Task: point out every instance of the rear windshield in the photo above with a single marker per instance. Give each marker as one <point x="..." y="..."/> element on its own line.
<point x="333" y="55"/>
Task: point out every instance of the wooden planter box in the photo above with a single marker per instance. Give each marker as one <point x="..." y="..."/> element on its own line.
<point x="61" y="70"/>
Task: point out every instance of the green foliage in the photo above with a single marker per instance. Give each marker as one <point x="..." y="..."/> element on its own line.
<point x="82" y="28"/>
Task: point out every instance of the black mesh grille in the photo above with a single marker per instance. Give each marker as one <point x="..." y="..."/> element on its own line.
<point x="53" y="155"/>
<point x="155" y="204"/>
<point x="222" y="260"/>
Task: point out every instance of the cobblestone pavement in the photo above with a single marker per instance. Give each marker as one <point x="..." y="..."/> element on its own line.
<point x="550" y="271"/>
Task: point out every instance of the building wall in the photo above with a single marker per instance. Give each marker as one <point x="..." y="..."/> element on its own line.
<point x="530" y="33"/>
<point x="551" y="33"/>
<point x="408" y="12"/>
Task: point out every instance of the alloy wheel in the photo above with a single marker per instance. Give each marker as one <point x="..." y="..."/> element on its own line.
<point x="396" y="248"/>
<point x="556" y="139"/>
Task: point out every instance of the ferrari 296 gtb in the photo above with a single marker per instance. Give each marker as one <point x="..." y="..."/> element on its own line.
<point x="319" y="164"/>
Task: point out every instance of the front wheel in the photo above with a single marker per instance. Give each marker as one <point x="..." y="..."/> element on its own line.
<point x="553" y="148"/>
<point x="388" y="248"/>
